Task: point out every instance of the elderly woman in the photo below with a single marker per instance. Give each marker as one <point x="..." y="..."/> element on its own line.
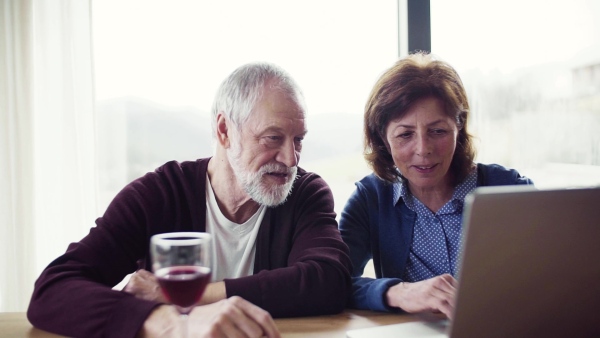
<point x="407" y="215"/>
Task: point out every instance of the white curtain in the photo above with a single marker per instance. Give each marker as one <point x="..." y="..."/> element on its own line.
<point x="47" y="138"/>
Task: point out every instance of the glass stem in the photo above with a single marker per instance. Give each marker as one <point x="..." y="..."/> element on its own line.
<point x="184" y="325"/>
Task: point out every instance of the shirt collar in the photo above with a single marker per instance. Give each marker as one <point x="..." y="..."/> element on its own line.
<point x="399" y="191"/>
<point x="460" y="192"/>
<point x="465" y="187"/>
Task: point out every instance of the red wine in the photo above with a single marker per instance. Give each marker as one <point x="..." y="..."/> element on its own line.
<point x="183" y="285"/>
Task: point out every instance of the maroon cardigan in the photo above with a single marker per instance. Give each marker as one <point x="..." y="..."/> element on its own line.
<point x="301" y="266"/>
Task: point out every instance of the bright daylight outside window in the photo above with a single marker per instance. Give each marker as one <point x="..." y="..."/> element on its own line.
<point x="532" y="73"/>
<point x="158" y="64"/>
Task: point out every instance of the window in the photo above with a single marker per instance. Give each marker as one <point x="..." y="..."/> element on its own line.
<point x="158" y="64"/>
<point x="532" y="73"/>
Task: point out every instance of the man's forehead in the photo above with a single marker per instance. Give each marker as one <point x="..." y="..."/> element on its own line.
<point x="280" y="102"/>
<point x="278" y="122"/>
<point x="277" y="87"/>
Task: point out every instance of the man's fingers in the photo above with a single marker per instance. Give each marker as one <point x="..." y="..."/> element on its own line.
<point x="258" y="320"/>
<point x="242" y="327"/>
<point x="145" y="274"/>
<point x="233" y="317"/>
<point x="144" y="285"/>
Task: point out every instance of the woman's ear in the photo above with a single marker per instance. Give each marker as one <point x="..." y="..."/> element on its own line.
<point x="461" y="117"/>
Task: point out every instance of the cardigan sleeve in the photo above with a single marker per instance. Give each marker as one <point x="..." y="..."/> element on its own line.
<point x="357" y="218"/>
<point x="308" y="268"/>
<point x="370" y="294"/>
<point x="74" y="295"/>
<point x="495" y="174"/>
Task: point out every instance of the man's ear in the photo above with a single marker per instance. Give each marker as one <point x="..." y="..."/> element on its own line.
<point x="223" y="125"/>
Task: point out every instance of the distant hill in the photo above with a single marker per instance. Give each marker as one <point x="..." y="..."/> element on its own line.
<point x="332" y="135"/>
<point x="145" y="134"/>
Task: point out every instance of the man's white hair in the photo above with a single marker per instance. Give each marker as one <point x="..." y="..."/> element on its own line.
<point x="240" y="91"/>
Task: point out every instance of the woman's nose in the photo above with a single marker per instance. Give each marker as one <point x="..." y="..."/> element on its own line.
<point x="424" y="146"/>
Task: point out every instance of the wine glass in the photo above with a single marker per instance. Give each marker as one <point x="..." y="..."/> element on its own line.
<point x="181" y="263"/>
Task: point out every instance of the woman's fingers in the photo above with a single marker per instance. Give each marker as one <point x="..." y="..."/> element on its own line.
<point x="432" y="295"/>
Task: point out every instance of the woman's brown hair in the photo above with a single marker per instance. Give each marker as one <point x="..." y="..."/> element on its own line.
<point x="409" y="80"/>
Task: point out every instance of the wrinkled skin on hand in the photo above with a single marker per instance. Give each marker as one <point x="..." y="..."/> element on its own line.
<point x="144" y="285"/>
<point x="232" y="317"/>
<point x="435" y="295"/>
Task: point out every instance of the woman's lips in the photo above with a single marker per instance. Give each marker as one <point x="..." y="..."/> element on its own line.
<point x="424" y="169"/>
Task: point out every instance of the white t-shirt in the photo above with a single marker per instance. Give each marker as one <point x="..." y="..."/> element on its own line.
<point x="233" y="245"/>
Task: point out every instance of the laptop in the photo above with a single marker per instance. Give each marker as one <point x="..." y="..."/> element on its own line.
<point x="530" y="267"/>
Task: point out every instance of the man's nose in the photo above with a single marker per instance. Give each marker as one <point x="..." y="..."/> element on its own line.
<point x="288" y="154"/>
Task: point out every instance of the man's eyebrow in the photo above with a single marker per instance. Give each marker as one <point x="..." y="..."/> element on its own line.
<point x="280" y="130"/>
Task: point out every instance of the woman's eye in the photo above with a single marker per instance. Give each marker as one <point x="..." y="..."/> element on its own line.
<point x="438" y="131"/>
<point x="404" y="135"/>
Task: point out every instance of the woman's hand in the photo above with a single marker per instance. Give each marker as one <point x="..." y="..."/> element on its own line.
<point x="434" y="295"/>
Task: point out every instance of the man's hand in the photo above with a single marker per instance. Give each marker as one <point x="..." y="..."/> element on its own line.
<point x="213" y="293"/>
<point x="232" y="317"/>
<point x="434" y="295"/>
<point x="164" y="321"/>
<point x="143" y="284"/>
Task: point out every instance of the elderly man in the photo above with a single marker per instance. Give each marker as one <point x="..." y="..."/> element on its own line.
<point x="276" y="244"/>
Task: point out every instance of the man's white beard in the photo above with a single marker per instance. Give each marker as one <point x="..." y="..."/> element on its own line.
<point x="253" y="184"/>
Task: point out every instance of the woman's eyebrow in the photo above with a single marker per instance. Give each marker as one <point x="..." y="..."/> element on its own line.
<point x="413" y="126"/>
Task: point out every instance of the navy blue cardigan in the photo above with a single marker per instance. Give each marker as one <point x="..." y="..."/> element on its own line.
<point x="374" y="228"/>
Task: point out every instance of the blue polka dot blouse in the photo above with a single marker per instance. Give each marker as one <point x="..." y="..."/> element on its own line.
<point x="437" y="236"/>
